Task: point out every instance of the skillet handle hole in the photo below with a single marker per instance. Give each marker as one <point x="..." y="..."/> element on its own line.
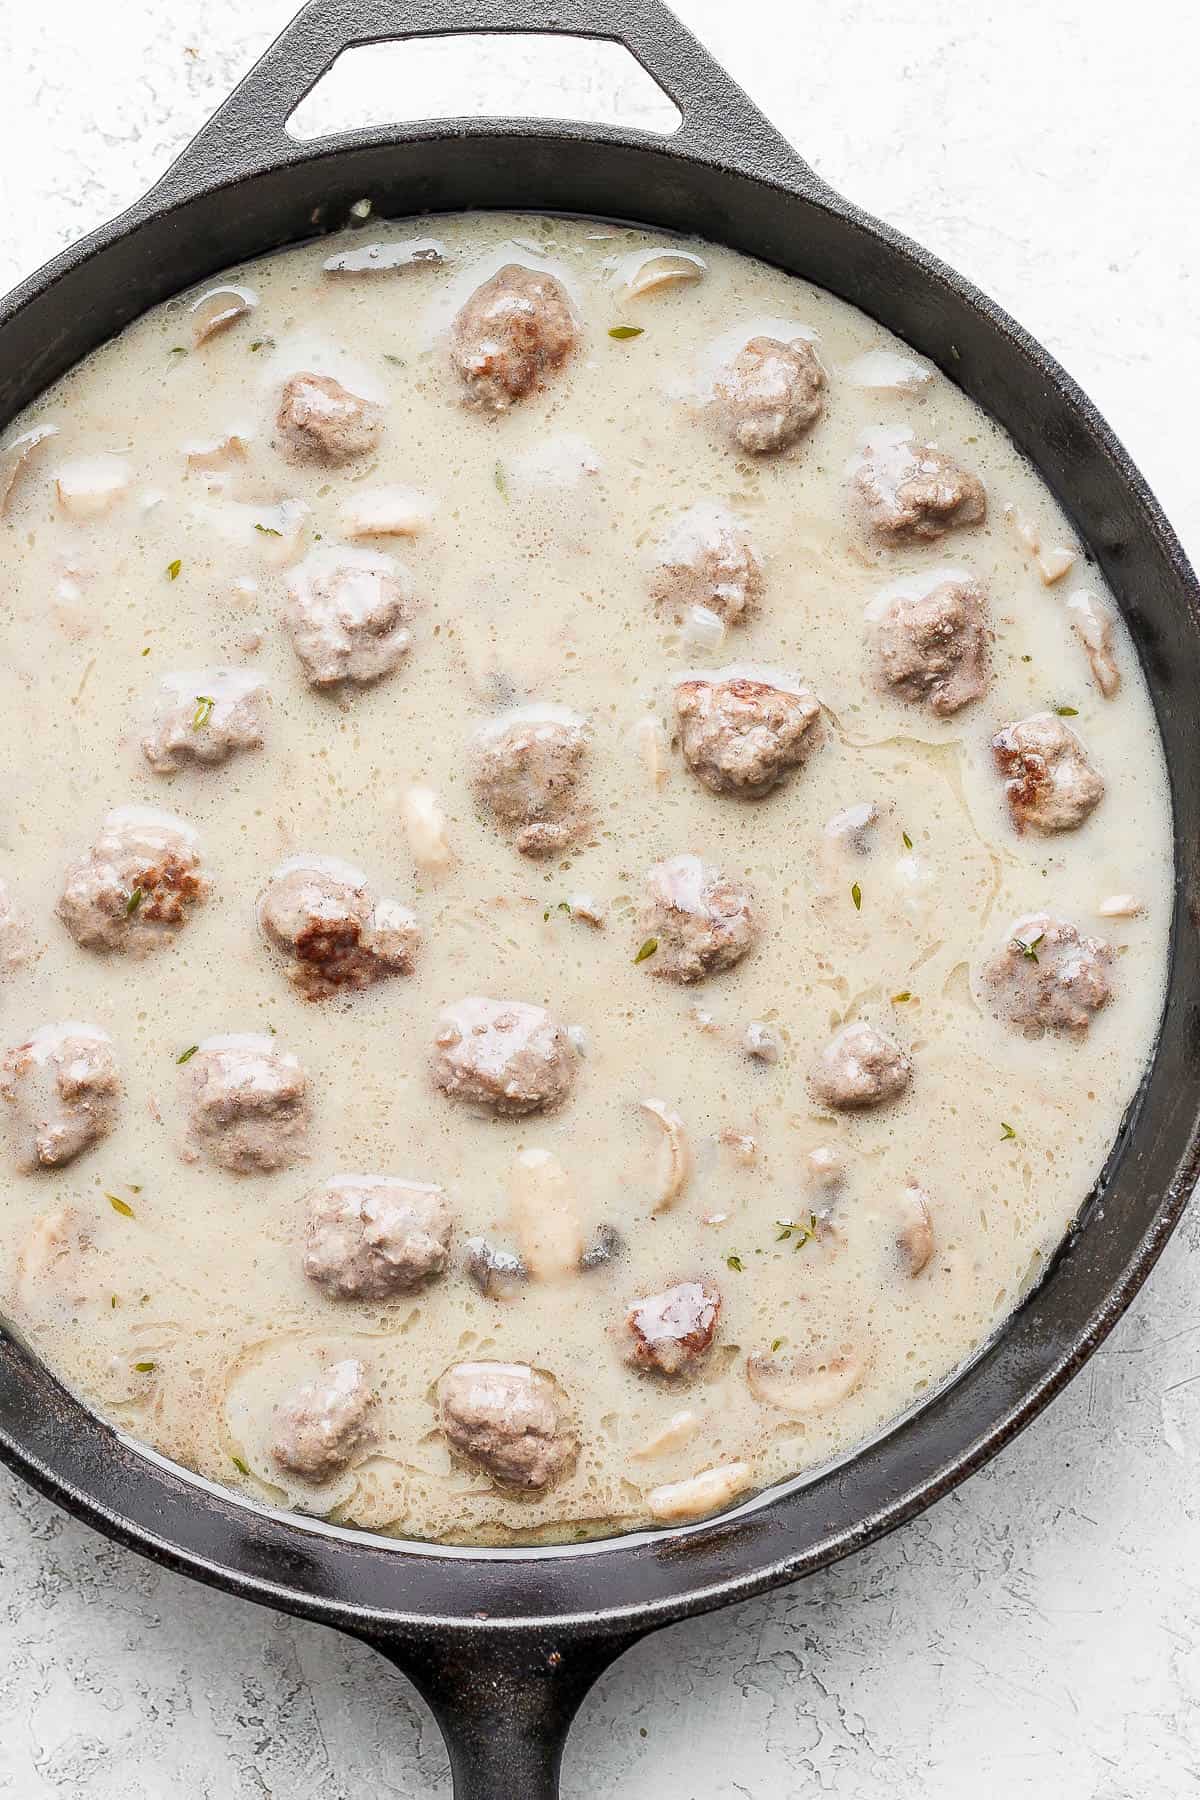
<point x="485" y="75"/>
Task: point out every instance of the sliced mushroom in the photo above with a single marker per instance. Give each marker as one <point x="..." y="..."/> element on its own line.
<point x="826" y="1167"/>
<point x="743" y="1146"/>
<point x="220" y="308"/>
<point x="604" y="1246"/>
<point x="700" y="1494"/>
<point x="15" y="454"/>
<point x="679" y="1430"/>
<point x="805" y="1384"/>
<point x="89" y="485"/>
<point x="1120" y="906"/>
<point x="496" y="1273"/>
<point x="425" y="828"/>
<point x="386" y="259"/>
<point x="652" y="749"/>
<point x="761" y="1042"/>
<point x="385" y="512"/>
<point x="544" y="1215"/>
<point x="665" y="269"/>
<point x="1052" y="564"/>
<point x="674" y="1153"/>
<point x="914" y="1238"/>
<point x="1093" y="624"/>
<point x="589" y="909"/>
<point x="216" y="453"/>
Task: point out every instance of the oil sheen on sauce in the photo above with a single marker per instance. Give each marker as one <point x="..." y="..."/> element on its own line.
<point x="129" y="558"/>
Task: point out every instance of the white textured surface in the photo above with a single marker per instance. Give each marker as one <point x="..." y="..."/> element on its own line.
<point x="1038" y="1633"/>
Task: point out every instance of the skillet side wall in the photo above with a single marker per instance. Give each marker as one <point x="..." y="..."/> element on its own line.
<point x="87" y="295"/>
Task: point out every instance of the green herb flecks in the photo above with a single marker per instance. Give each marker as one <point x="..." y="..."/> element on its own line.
<point x="267" y="343"/>
<point x="268" y="530"/>
<point x="796" y="1232"/>
<point x="1067" y="712"/>
<point x="735" y="1262"/>
<point x="1029" y="949"/>
<point x="501" y="481"/>
<point x="173" y="569"/>
<point x="856" y="896"/>
<point x="647" y="949"/>
<point x="203" y="712"/>
<point x="399" y="361"/>
<point x="121" y="1206"/>
<point x="145" y="1368"/>
<point x="188" y="1054"/>
<point x="178" y="350"/>
<point x="900" y="998"/>
<point x="1006" y="1132"/>
<point x="623" y="332"/>
<point x="906" y="840"/>
<point x="134" y="901"/>
<point x="776" y="1344"/>
<point x="239" y="1465"/>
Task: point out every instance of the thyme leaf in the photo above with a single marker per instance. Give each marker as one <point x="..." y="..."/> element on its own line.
<point x="203" y="712"/>
<point x="122" y="1206"/>
<point x="134" y="901"/>
<point x="647" y="949"/>
<point x="173" y="569"/>
<point x="188" y="1054"/>
<point x="856" y="896"/>
<point x="623" y="332"/>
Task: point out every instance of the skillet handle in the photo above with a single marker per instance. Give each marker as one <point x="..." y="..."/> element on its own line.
<point x="247" y="135"/>
<point x="504" y="1700"/>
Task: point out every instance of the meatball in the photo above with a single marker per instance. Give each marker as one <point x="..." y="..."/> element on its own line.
<point x="509" y="1420"/>
<point x="321" y="421"/>
<point x="698" y="920"/>
<point x="860" y="1067"/>
<point x="348" y="615"/>
<point x="371" y="1236"/>
<point x="911" y="493"/>
<point x="324" y="1424"/>
<point x="502" y="1055"/>
<point x="247" y="1103"/>
<point x="769" y="395"/>
<point x="707" y="559"/>
<point x="513" y="332"/>
<point x="336" y="934"/>
<point x="526" y="772"/>
<point x="1050" y="784"/>
<point x="1048" y="977"/>
<point x="64" y="1087"/>
<point x="133" y="888"/>
<point x="741" y="735"/>
<point x="205" y="718"/>
<point x="671" y="1333"/>
<point x="932" y="648"/>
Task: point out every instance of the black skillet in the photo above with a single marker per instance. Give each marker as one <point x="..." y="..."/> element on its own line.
<point x="504" y="1645"/>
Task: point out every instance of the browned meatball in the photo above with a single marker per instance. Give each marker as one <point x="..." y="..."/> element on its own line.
<point x="370" y="1236"/>
<point x="1051" y="785"/>
<point x="509" y="1420"/>
<point x="134" y="887"/>
<point x="707" y="559"/>
<point x="205" y="718"/>
<point x="526" y="772"/>
<point x="769" y="395"/>
<point x="321" y="421"/>
<point x="335" y="932"/>
<point x="319" y="1429"/>
<point x="1049" y="978"/>
<point x="698" y="920"/>
<point x="502" y="1055"/>
<point x="513" y="332"/>
<point x="860" y="1067"/>
<point x="672" y="1332"/>
<point x="348" y="616"/>
<point x="932" y="648"/>
<point x="741" y="735"/>
<point x="912" y="493"/>
<point x="64" y="1088"/>
<point x="248" y="1104"/>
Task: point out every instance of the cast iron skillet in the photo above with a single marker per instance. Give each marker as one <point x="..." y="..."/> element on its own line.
<point x="504" y="1644"/>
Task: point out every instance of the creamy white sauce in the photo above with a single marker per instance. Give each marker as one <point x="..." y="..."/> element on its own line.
<point x="185" y="1315"/>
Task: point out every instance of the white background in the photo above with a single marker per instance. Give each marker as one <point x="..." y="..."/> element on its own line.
<point x="1035" y="1634"/>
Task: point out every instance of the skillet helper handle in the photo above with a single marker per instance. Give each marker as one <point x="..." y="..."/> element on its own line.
<point x="504" y="1701"/>
<point x="248" y="136"/>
